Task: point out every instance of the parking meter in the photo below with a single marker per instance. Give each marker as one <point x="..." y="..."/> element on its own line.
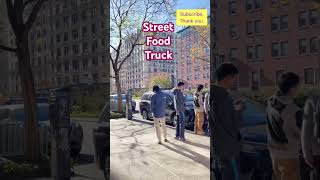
<point x="59" y="115"/>
<point x="101" y="140"/>
<point x="129" y="104"/>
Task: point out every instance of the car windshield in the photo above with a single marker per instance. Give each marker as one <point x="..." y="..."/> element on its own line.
<point x="123" y="97"/>
<point x="42" y="114"/>
<point x="253" y="114"/>
<point x="4" y="114"/>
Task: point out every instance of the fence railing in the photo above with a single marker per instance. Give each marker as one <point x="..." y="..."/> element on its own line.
<point x="12" y="139"/>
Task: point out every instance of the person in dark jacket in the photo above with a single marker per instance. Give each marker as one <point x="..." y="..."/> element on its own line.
<point x="158" y="108"/>
<point x="179" y="104"/>
<point x="224" y="125"/>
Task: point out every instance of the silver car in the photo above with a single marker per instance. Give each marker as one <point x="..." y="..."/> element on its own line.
<point x="114" y="103"/>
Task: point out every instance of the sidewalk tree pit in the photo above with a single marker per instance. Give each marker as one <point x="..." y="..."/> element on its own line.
<point x="155" y="41"/>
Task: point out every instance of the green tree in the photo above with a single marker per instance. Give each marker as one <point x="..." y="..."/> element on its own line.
<point x="125" y="22"/>
<point x="162" y="81"/>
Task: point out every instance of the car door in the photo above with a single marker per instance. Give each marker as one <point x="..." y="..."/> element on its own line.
<point x="170" y="110"/>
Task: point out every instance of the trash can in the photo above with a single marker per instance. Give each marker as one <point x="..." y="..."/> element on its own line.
<point x="101" y="143"/>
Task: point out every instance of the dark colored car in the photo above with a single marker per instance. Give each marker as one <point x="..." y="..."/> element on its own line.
<point x="254" y="156"/>
<point x="171" y="116"/>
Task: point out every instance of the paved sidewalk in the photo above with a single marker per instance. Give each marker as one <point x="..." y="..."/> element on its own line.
<point x="135" y="154"/>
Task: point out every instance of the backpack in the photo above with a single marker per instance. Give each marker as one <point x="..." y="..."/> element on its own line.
<point x="275" y="122"/>
<point x="316" y="118"/>
<point x="76" y="136"/>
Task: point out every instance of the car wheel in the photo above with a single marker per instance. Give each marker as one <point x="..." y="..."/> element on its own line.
<point x="145" y="115"/>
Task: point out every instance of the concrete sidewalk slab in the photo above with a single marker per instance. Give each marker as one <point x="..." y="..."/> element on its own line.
<point x="135" y="154"/>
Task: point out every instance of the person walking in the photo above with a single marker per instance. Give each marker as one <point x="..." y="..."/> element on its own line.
<point x="199" y="110"/>
<point x="179" y="104"/>
<point x="310" y="135"/>
<point x="224" y="125"/>
<point x="158" y="108"/>
<point x="284" y="120"/>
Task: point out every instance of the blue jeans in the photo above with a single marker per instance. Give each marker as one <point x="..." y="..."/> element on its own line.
<point x="180" y="125"/>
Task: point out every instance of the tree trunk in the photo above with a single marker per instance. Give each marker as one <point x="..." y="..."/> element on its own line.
<point x="118" y="85"/>
<point x="32" y="146"/>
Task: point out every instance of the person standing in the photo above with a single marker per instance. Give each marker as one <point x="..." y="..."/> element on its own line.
<point x="206" y="107"/>
<point x="310" y="135"/>
<point x="224" y="125"/>
<point x="284" y="120"/>
<point x="199" y="110"/>
<point x="179" y="104"/>
<point x="158" y="108"/>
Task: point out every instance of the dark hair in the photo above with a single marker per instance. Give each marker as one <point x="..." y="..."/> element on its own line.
<point x="288" y="81"/>
<point x="180" y="84"/>
<point x="156" y="88"/>
<point x="200" y="87"/>
<point x="224" y="70"/>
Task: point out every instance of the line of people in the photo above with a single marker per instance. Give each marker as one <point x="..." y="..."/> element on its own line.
<point x="289" y="128"/>
<point x="158" y="107"/>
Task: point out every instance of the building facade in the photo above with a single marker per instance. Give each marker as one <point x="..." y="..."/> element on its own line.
<point x="67" y="46"/>
<point x="192" y="70"/>
<point x="267" y="38"/>
<point x="137" y="72"/>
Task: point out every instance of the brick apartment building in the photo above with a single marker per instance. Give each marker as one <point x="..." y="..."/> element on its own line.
<point x="67" y="46"/>
<point x="137" y="72"/>
<point x="267" y="38"/>
<point x="191" y="70"/>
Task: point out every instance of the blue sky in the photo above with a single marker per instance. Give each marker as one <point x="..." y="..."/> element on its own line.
<point x="193" y="4"/>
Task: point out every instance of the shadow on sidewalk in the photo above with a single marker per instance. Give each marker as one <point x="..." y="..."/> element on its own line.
<point x="205" y="161"/>
<point x="198" y="145"/>
<point x="84" y="159"/>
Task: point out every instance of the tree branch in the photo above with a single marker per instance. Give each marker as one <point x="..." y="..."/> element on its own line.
<point x="34" y="14"/>
<point x="8" y="48"/>
<point x="28" y="2"/>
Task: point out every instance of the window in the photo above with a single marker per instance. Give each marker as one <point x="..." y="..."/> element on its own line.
<point x="93" y="11"/>
<point x="85" y="64"/>
<point x="84" y="47"/>
<point x="66" y="67"/>
<point x="309" y="76"/>
<point x="94" y="46"/>
<point x="84" y="15"/>
<point x="303" y="18"/>
<point x="232" y="7"/>
<point x="314" y="16"/>
<point x="75" y="49"/>
<point x="58" y="37"/>
<point x="74" y="18"/>
<point x="259" y="52"/>
<point x="65" y="36"/>
<point x="75" y="34"/>
<point x="255" y="80"/>
<point x="258" y="4"/>
<point x="84" y="31"/>
<point x="66" y="20"/>
<point x="302" y="46"/>
<point x="95" y="61"/>
<point x="257" y="26"/>
<point x="232" y="54"/>
<point x="284" y="48"/>
<point x="250" y="5"/>
<point x="313" y="45"/>
<point x="250" y="27"/>
<point x="250" y="52"/>
<point x="233" y="31"/>
<point x="284" y="22"/>
<point x="75" y="65"/>
<point x="66" y="51"/>
<point x="275" y="50"/>
<point x="93" y="28"/>
<point x="275" y="24"/>
<point x="58" y="52"/>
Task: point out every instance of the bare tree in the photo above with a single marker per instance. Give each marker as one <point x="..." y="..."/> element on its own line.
<point x="200" y="49"/>
<point x="22" y="14"/>
<point x="126" y="20"/>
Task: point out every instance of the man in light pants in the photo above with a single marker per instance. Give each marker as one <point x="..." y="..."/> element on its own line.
<point x="158" y="108"/>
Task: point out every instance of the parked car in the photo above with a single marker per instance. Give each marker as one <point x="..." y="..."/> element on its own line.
<point x="171" y="116"/>
<point x="254" y="155"/>
<point x="114" y="103"/>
